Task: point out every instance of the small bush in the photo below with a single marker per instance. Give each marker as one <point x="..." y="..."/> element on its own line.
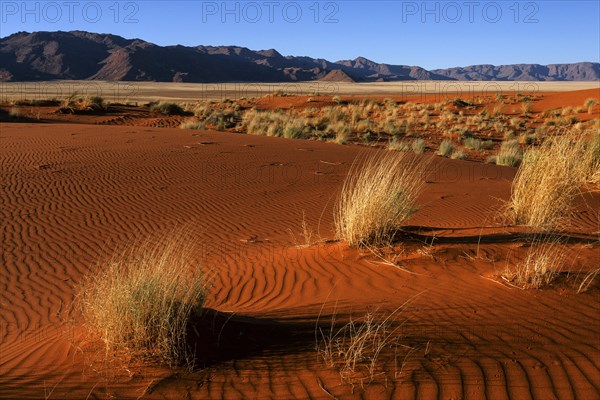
<point x="446" y="148"/>
<point x="377" y="197"/>
<point x="142" y="300"/>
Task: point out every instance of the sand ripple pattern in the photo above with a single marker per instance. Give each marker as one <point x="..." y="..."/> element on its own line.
<point x="71" y="194"/>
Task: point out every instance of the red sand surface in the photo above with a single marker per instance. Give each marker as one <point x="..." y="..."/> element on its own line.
<point x="73" y="193"/>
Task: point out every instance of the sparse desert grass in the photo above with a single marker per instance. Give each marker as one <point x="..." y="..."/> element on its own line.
<point x="378" y="195"/>
<point x="510" y="154"/>
<point x="167" y="108"/>
<point x="546" y="183"/>
<point x="446" y="148"/>
<point x="307" y="233"/>
<point x="540" y="268"/>
<point x="142" y="300"/>
<point x="356" y="349"/>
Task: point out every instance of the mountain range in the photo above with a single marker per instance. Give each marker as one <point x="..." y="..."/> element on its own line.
<point x="82" y="55"/>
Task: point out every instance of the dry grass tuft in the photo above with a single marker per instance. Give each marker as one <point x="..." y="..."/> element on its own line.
<point x="546" y="184"/>
<point x="356" y="349"/>
<point x="588" y="280"/>
<point x="541" y="267"/>
<point x="378" y="195"/>
<point x="142" y="299"/>
<point x="590" y="162"/>
<point x="307" y="233"/>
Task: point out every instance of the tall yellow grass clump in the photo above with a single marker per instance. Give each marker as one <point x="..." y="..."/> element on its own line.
<point x="142" y="300"/>
<point x="546" y="183"/>
<point x="378" y="195"/>
<point x="590" y="161"/>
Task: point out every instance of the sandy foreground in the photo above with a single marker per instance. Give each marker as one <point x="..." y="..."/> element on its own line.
<point x="72" y="193"/>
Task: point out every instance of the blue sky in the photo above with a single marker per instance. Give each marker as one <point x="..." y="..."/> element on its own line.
<point x="429" y="34"/>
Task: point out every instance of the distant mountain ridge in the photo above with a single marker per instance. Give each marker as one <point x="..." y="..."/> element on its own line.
<point x="91" y="56"/>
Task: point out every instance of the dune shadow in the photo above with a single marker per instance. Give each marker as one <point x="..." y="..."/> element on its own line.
<point x="426" y="235"/>
<point x="215" y="337"/>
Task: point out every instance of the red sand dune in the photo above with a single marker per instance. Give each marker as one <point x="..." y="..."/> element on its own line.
<point x="72" y="193"/>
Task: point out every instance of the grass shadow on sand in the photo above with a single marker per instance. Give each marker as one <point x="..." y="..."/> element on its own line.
<point x="216" y="337"/>
<point x="426" y="234"/>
